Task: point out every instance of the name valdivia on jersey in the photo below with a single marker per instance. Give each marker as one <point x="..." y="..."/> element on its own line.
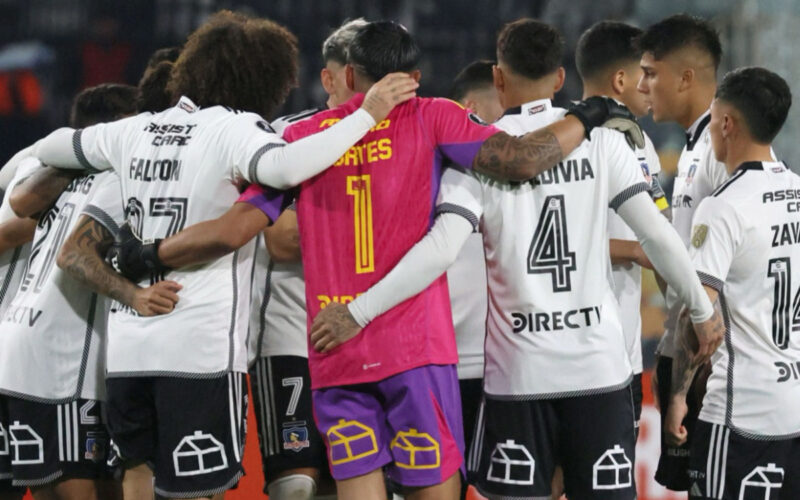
<point x="577" y="169"/>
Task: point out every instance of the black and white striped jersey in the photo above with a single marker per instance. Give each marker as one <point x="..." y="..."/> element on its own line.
<point x="746" y="244"/>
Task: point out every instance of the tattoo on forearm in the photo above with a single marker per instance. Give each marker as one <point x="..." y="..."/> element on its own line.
<point x="83" y="260"/>
<point x="685" y="363"/>
<point x="505" y="157"/>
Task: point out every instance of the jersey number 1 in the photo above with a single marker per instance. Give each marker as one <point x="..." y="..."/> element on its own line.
<point x="360" y="188"/>
<point x="549" y="252"/>
<point x="785" y="311"/>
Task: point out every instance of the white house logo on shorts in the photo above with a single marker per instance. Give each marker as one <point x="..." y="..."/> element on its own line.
<point x="199" y="454"/>
<point x="511" y="463"/>
<point x="28" y="446"/>
<point x="612" y="471"/>
<point x="760" y="483"/>
<point x="3" y="441"/>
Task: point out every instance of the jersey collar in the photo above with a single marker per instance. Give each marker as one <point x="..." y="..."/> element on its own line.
<point x="775" y="167"/>
<point x="694" y="132"/>
<point x="530" y="108"/>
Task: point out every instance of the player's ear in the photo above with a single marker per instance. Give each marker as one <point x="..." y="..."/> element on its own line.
<point x="561" y="75"/>
<point x="497" y="77"/>
<point x="687" y="79"/>
<point x="618" y="81"/>
<point x="350" y="77"/>
<point x="326" y="77"/>
<point x="416" y="75"/>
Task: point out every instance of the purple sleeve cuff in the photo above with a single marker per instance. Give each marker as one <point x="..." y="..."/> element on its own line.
<point x="268" y="200"/>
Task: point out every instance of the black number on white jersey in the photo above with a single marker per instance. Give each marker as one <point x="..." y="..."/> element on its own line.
<point x="549" y="250"/>
<point x="785" y="311"/>
<point x="56" y="220"/>
<point x="174" y="208"/>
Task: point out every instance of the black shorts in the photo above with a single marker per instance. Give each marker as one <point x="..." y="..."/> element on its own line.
<point x="638" y="395"/>
<point x="287" y="434"/>
<point x="592" y="437"/>
<point x="673" y="463"/>
<point x="726" y="465"/>
<point x="48" y="442"/>
<point x="471" y="396"/>
<point x="191" y="431"/>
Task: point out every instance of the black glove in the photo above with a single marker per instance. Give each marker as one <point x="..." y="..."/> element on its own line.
<point x="606" y="112"/>
<point x="133" y="258"/>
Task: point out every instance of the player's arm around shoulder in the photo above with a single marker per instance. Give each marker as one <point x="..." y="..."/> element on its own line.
<point x="282" y="239"/>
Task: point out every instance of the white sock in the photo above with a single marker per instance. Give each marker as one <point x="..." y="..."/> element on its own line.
<point x="294" y="487"/>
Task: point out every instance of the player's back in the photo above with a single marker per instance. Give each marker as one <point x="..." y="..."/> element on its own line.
<point x="752" y="224"/>
<point x="178" y="168"/>
<point x="553" y="325"/>
<point x="360" y="217"/>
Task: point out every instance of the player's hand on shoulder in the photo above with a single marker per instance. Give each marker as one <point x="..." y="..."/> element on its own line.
<point x="597" y="111"/>
<point x="333" y="326"/>
<point x="132" y="257"/>
<point x="159" y="298"/>
<point x="391" y="90"/>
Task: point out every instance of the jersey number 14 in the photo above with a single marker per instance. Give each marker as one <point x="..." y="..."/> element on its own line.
<point x="549" y="251"/>
<point x="785" y="311"/>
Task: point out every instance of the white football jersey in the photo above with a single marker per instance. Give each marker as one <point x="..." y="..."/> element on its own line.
<point x="52" y="337"/>
<point x="699" y="174"/>
<point x="466" y="280"/>
<point x="12" y="263"/>
<point x="278" y="319"/>
<point x="178" y="168"/>
<point x="627" y="282"/>
<point x="746" y="245"/>
<point x="553" y="327"/>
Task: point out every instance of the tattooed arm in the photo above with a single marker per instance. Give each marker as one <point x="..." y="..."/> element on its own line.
<point x="511" y="158"/>
<point x="687" y="359"/>
<point x="40" y="190"/>
<point x="81" y="257"/>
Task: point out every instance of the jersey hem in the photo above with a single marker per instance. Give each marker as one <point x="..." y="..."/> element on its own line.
<point x="166" y="373"/>
<point x="560" y="395"/>
<point x="43" y="400"/>
<point x="372" y="380"/>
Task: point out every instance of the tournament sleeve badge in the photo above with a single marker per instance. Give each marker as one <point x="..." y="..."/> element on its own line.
<point x="699" y="234"/>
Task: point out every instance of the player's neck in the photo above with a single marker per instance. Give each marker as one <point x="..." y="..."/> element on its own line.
<point x="590" y="90"/>
<point x="698" y="104"/>
<point x="524" y="92"/>
<point x="746" y="151"/>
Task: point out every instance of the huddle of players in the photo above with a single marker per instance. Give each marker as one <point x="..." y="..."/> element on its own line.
<point x="561" y="339"/>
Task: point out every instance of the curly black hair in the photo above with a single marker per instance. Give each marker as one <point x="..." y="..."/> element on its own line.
<point x="244" y="63"/>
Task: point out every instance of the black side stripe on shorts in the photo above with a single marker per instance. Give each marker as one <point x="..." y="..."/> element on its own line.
<point x="717" y="461"/>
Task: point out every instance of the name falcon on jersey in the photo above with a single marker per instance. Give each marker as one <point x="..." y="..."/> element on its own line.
<point x="142" y="169"/>
<point x="557" y="320"/>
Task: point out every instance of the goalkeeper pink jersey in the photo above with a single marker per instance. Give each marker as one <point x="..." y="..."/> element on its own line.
<point x="358" y="218"/>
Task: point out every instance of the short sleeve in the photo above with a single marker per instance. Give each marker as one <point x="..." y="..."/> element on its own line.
<point x="716" y="234"/>
<point x="100" y="147"/>
<point x="462" y="194"/>
<point x="105" y="205"/>
<point x="455" y="131"/>
<point x="246" y="137"/>
<point x="270" y="201"/>
<point x="625" y="178"/>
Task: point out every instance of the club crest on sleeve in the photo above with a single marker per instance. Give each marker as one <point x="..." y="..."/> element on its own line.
<point x="699" y="234"/>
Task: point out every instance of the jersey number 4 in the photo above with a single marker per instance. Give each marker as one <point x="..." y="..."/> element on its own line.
<point x="785" y="311"/>
<point x="549" y="252"/>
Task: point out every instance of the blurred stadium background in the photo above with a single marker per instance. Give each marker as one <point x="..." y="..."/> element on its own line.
<point x="51" y="49"/>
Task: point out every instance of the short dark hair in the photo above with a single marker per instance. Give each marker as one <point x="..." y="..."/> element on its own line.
<point x="761" y="96"/>
<point x="476" y="75"/>
<point x="169" y="54"/>
<point x="335" y="47"/>
<point x="153" y="94"/>
<point x="530" y="48"/>
<point x="605" y="45"/>
<point x="383" y="47"/>
<point x="106" y="102"/>
<point x="245" y="63"/>
<point x="680" y="31"/>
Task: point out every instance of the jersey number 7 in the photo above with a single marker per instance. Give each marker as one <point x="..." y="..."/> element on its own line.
<point x="549" y="251"/>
